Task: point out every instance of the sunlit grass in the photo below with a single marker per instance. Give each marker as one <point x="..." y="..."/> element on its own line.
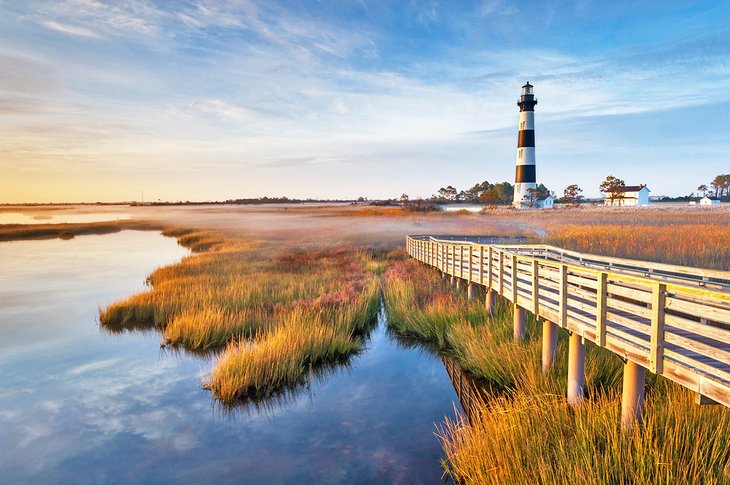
<point x="699" y="245"/>
<point x="523" y="431"/>
<point x="277" y="309"/>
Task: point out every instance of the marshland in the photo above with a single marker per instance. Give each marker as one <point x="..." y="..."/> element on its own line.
<point x="295" y="343"/>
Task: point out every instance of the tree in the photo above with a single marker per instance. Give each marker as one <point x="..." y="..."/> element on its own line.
<point x="404" y="199"/>
<point x="448" y="193"/>
<point x="531" y="197"/>
<point x="571" y="194"/>
<point x="702" y="189"/>
<point x="721" y="185"/>
<point x="472" y="194"/>
<point x="611" y="187"/>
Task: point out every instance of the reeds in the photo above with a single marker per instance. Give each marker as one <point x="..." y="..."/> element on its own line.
<point x="277" y="309"/>
<point x="521" y="429"/>
<point x="699" y="245"/>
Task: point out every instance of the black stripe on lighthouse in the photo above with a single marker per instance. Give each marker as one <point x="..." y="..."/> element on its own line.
<point x="525" y="174"/>
<point x="526" y="138"/>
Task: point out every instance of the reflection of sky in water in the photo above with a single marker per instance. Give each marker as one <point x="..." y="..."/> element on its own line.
<point x="58" y="218"/>
<point x="81" y="405"/>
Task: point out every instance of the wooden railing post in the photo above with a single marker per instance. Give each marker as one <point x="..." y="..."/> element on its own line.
<point x="535" y="288"/>
<point x="601" y="299"/>
<point x="490" y="268"/>
<point x="469" y="272"/>
<point x="658" y="303"/>
<point x="501" y="273"/>
<point x="563" y="295"/>
<point x="481" y="265"/>
<point x="514" y="279"/>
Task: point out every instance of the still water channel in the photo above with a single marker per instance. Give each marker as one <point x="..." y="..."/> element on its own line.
<point x="81" y="405"/>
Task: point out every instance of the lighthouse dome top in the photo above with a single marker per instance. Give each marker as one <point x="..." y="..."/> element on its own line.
<point x="527" y="88"/>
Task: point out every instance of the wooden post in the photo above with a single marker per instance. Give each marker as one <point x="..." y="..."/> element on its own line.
<point x="549" y="344"/>
<point x="601" y="298"/>
<point x="576" y="368"/>
<point x="470" y="273"/>
<point x="519" y="318"/>
<point x="459" y="282"/>
<point x="489" y="268"/>
<point x="453" y="281"/>
<point x="481" y="265"/>
<point x="563" y="295"/>
<point x="471" y="290"/>
<point x="535" y="288"/>
<point x="658" y="303"/>
<point x="501" y="273"/>
<point x="514" y="279"/>
<point x="461" y="261"/>
<point x="491" y="301"/>
<point x="632" y="396"/>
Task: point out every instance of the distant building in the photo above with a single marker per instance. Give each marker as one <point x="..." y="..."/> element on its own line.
<point x="631" y="195"/>
<point x="708" y="201"/>
<point x="545" y="202"/>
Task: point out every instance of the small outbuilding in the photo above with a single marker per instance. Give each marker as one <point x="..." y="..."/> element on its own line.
<point x="545" y="202"/>
<point x="708" y="201"/>
<point x="630" y="195"/>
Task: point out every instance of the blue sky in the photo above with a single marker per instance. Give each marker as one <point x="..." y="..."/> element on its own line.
<point x="216" y="99"/>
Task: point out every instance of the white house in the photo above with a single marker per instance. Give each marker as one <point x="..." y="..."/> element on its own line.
<point x="545" y="202"/>
<point x="708" y="201"/>
<point x="630" y="195"/>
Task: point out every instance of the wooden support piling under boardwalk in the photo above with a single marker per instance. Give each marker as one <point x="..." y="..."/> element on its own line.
<point x="459" y="283"/>
<point x="490" y="301"/>
<point x="576" y="368"/>
<point x="549" y="344"/>
<point x="471" y="291"/>
<point x="453" y="281"/>
<point x="632" y="395"/>
<point x="519" y="320"/>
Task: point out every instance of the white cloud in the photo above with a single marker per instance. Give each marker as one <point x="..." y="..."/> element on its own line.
<point x="70" y="29"/>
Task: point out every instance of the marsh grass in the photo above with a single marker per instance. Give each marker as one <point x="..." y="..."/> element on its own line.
<point x="698" y="245"/>
<point x="529" y="437"/>
<point x="521" y="430"/>
<point x="19" y="232"/>
<point x="276" y="309"/>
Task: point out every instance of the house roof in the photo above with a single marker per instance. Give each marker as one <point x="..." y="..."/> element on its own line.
<point x="543" y="197"/>
<point x="632" y="188"/>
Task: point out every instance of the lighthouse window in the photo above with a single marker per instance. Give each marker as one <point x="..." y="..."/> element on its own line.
<point x="522" y="125"/>
<point x="520" y="155"/>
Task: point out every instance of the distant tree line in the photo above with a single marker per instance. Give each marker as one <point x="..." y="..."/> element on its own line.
<point x="486" y="193"/>
<point x="719" y="188"/>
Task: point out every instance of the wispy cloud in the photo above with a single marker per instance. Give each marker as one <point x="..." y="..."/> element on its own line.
<point x="70" y="29"/>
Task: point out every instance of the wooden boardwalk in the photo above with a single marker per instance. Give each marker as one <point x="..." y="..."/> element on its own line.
<point x="671" y="320"/>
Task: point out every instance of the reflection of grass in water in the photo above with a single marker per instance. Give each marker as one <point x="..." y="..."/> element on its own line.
<point x="17" y="232"/>
<point x="522" y="430"/>
<point x="283" y="396"/>
<point x="275" y="309"/>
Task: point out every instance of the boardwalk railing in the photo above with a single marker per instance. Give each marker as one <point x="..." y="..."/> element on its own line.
<point x="672" y="320"/>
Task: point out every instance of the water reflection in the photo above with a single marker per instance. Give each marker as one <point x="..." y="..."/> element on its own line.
<point x="59" y="218"/>
<point x="86" y="406"/>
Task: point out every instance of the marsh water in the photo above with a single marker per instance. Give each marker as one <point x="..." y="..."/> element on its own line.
<point x="81" y="405"/>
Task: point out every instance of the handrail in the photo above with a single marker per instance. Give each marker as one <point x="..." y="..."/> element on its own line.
<point x="672" y="320"/>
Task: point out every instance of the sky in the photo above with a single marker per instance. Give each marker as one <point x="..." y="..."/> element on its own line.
<point x="104" y="100"/>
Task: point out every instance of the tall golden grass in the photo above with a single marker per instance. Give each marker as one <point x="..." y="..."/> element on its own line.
<point x="277" y="309"/>
<point x="522" y="430"/>
<point x="700" y="245"/>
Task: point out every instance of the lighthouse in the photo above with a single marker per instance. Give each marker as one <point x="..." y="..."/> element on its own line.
<point x="525" y="176"/>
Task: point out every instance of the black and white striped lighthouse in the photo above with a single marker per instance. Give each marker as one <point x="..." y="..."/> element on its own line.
<point x="525" y="176"/>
